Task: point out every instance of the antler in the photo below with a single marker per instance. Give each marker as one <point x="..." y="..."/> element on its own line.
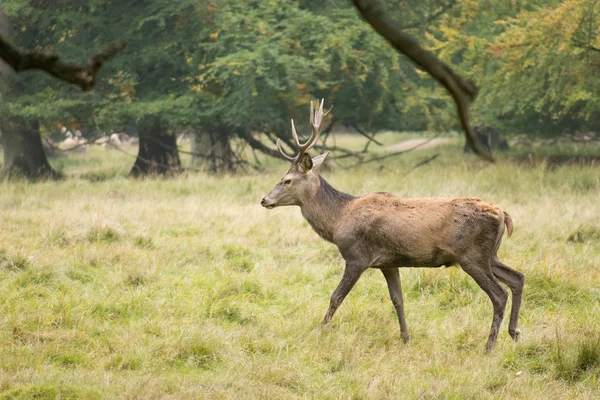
<point x="316" y="118"/>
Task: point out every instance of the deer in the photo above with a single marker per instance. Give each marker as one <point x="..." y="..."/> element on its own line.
<point x="387" y="232"/>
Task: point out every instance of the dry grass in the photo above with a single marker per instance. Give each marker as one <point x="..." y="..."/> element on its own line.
<point x="187" y="288"/>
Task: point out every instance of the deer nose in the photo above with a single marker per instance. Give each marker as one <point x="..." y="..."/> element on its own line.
<point x="262" y="202"/>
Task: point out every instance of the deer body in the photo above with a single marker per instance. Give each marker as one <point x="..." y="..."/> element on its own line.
<point x="387" y="232"/>
<point x="400" y="232"/>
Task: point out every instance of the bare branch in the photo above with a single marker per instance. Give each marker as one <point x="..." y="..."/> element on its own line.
<point x="396" y="153"/>
<point x="463" y="91"/>
<point x="83" y="76"/>
<point x="257" y="144"/>
<point x="427" y="20"/>
<point x="346" y="153"/>
<point x="424" y="162"/>
<point x="371" y="138"/>
<point x="582" y="45"/>
<point x="327" y="131"/>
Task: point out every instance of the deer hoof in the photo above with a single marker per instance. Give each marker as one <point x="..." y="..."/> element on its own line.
<point x="515" y="335"/>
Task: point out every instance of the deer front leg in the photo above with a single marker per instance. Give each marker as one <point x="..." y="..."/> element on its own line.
<point x="351" y="275"/>
<point x="392" y="276"/>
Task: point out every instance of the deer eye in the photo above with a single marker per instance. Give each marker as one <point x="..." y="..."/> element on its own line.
<point x="287" y="181"/>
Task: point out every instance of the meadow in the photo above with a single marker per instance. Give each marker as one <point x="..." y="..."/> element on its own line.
<point x="186" y="288"/>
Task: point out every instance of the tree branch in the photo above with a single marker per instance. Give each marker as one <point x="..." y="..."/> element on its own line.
<point x="427" y="20"/>
<point x="396" y="153"/>
<point x="371" y="138"/>
<point x="327" y="131"/>
<point x="582" y="45"/>
<point x="346" y="153"/>
<point x="463" y="91"/>
<point x="258" y="145"/>
<point x="421" y="163"/>
<point x="83" y="76"/>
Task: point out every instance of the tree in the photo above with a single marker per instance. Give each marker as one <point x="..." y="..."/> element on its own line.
<point x="260" y="63"/>
<point x="157" y="153"/>
<point x="553" y="66"/>
<point x="24" y="154"/>
<point x="141" y="78"/>
<point x="83" y="76"/>
<point x="230" y="70"/>
<point x="22" y="145"/>
<point x="463" y="91"/>
<point x="537" y="62"/>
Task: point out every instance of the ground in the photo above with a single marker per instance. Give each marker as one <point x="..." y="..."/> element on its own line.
<point x="187" y="288"/>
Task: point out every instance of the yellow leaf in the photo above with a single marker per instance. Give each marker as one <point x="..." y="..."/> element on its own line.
<point x="261" y="28"/>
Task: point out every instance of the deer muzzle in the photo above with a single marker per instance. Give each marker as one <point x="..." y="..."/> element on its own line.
<point x="267" y="204"/>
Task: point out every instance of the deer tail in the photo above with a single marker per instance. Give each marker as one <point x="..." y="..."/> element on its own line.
<point x="509" y="223"/>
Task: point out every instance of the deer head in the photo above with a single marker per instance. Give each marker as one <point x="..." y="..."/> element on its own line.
<point x="302" y="179"/>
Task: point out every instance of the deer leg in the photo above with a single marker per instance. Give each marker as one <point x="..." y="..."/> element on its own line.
<point x="515" y="281"/>
<point x="392" y="276"/>
<point x="481" y="272"/>
<point x="351" y="275"/>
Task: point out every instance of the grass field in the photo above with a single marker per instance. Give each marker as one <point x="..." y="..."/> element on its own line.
<point x="187" y="288"/>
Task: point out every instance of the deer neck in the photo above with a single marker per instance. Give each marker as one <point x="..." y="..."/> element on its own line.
<point x="324" y="208"/>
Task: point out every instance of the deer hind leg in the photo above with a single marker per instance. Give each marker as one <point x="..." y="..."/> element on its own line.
<point x="515" y="281"/>
<point x="351" y="275"/>
<point x="481" y="272"/>
<point x="392" y="276"/>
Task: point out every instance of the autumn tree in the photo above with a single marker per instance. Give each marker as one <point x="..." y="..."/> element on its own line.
<point x="536" y="62"/>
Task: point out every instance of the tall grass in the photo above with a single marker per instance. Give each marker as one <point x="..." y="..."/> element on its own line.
<point x="187" y="288"/>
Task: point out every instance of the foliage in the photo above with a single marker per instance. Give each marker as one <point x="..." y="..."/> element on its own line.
<point x="229" y="65"/>
<point x="535" y="61"/>
<point x="138" y="84"/>
<point x="238" y="67"/>
<point x="264" y="64"/>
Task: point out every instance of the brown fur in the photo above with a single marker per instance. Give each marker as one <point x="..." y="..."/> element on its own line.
<point x="403" y="232"/>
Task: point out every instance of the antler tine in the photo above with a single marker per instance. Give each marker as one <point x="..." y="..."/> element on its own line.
<point x="292" y="159"/>
<point x="301" y="146"/>
<point x="316" y="118"/>
<point x="295" y="135"/>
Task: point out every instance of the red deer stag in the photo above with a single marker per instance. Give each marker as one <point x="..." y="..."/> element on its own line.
<point x="383" y="231"/>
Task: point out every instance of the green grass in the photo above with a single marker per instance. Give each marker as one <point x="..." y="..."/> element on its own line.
<point x="187" y="288"/>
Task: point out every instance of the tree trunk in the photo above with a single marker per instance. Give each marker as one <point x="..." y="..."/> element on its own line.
<point x="158" y="154"/>
<point x="24" y="154"/>
<point x="200" y="144"/>
<point x="222" y="155"/>
<point x="489" y="138"/>
<point x="213" y="151"/>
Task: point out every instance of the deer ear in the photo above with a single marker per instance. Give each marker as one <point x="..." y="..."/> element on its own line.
<point x="305" y="163"/>
<point x="318" y="161"/>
